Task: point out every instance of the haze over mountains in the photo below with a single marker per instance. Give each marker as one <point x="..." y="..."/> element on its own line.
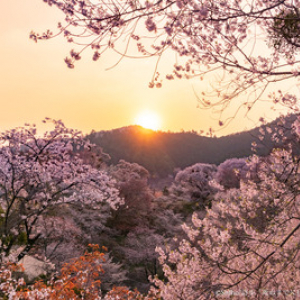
<point x="162" y="152"/>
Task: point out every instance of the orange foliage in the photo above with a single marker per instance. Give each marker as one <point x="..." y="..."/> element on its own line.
<point x="123" y="293"/>
<point x="78" y="279"/>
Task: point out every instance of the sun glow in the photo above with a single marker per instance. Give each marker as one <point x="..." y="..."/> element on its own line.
<point x="149" y="120"/>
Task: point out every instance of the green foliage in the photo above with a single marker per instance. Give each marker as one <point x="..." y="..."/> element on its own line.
<point x="286" y="30"/>
<point x="78" y="291"/>
<point x="3" y="297"/>
<point x="22" y="238"/>
<point x="189" y="207"/>
<point x="2" y="216"/>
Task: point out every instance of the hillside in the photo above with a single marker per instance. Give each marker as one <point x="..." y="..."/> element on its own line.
<point x="162" y="152"/>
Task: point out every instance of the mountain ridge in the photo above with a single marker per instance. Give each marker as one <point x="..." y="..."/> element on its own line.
<point x="162" y="152"/>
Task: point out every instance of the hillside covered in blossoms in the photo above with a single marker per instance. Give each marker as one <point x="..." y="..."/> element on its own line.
<point x="74" y="226"/>
<point x="143" y="214"/>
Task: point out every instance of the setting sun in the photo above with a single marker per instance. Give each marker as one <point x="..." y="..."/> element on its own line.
<point x="149" y="120"/>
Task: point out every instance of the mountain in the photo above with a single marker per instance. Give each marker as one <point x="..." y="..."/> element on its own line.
<point x="162" y="152"/>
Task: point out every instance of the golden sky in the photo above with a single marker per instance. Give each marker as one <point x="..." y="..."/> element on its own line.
<point x="35" y="82"/>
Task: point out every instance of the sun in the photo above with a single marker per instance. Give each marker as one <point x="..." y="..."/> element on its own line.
<point x="149" y="120"/>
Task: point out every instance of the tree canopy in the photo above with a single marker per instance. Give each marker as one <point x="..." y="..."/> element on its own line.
<point x="40" y="173"/>
<point x="244" y="240"/>
<point x="253" y="44"/>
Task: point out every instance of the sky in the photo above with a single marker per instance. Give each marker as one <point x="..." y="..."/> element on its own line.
<point x="35" y="83"/>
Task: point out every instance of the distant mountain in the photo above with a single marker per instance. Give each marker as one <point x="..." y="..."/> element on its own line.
<point x="162" y="152"/>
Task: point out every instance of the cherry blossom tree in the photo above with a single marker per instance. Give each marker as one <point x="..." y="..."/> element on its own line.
<point x="94" y="156"/>
<point x="231" y="172"/>
<point x="247" y="245"/>
<point x="193" y="184"/>
<point x="253" y="45"/>
<point x="40" y="174"/>
<point x="113" y="274"/>
<point x="132" y="183"/>
<point x="61" y="239"/>
<point x="139" y="253"/>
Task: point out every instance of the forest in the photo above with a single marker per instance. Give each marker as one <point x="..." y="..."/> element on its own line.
<point x="75" y="225"/>
<point x="162" y="152"/>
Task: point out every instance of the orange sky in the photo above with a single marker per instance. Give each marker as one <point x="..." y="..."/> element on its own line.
<point x="35" y="82"/>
